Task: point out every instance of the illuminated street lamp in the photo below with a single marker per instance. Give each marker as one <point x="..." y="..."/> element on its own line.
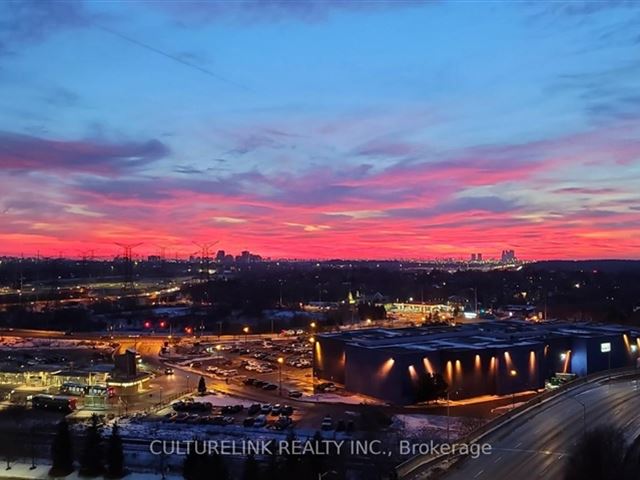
<point x="312" y="340"/>
<point x="280" y="362"/>
<point x="218" y="348"/>
<point x="246" y="331"/>
<point x="513" y="374"/>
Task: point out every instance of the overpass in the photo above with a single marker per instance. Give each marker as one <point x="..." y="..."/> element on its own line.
<point x="533" y="441"/>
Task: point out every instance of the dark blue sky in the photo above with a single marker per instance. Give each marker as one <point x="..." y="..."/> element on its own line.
<point x="322" y="128"/>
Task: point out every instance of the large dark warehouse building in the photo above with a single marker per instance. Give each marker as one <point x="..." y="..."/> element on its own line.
<point x="488" y="358"/>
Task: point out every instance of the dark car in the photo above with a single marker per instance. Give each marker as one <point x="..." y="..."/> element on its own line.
<point x="248" y="422"/>
<point x="340" y="426"/>
<point x="254" y="408"/>
<point x="249" y="381"/>
<point x="231" y="409"/>
<point x="282" y="423"/>
<point x="218" y="420"/>
<point x="269" y="386"/>
<point x="295" y="393"/>
<point x="286" y="410"/>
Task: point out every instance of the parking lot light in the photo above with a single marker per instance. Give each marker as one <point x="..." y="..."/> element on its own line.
<point x="280" y="362"/>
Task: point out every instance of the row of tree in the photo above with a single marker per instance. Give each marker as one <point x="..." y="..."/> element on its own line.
<point x="94" y="459"/>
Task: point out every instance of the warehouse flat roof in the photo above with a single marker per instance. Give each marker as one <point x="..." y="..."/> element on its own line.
<point x="472" y="336"/>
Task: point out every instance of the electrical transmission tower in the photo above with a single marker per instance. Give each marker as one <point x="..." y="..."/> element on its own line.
<point x="87" y="259"/>
<point x="204" y="251"/>
<point x="128" y="285"/>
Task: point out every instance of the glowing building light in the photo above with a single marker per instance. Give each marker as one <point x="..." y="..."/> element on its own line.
<point x="449" y="371"/>
<point x="477" y="362"/>
<point x="386" y="367"/>
<point x="413" y="373"/>
<point x="532" y="362"/>
<point x="427" y="365"/>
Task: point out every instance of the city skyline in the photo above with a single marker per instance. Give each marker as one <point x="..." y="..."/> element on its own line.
<point x="321" y="129"/>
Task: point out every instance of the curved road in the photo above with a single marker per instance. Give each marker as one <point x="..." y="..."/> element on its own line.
<point x="535" y="445"/>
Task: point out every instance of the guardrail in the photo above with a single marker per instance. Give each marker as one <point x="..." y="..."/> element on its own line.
<point x="413" y="465"/>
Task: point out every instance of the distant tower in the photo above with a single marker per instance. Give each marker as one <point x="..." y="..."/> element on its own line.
<point x="508" y="256"/>
<point x="473" y="257"/>
<point x="128" y="283"/>
<point x="479" y="257"/>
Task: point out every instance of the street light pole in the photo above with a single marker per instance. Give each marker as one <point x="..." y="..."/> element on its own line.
<point x="280" y="362"/>
<point x="513" y="374"/>
<point x="246" y="331"/>
<point x="448" y="416"/>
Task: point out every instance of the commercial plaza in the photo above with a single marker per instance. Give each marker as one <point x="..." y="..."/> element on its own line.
<point x="485" y="358"/>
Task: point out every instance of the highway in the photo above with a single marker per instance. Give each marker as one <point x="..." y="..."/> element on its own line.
<point x="535" y="445"/>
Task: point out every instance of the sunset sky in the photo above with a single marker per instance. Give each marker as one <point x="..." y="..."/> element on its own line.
<point x="321" y="129"/>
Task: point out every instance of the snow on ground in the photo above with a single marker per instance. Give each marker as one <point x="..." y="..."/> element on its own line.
<point x="335" y="398"/>
<point x="33" y="343"/>
<point x="505" y="408"/>
<point x="24" y="470"/>
<point x="418" y="425"/>
<point x="220" y="400"/>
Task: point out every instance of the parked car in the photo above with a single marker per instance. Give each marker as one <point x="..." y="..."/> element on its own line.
<point x="327" y="423"/>
<point x="275" y="411"/>
<point x="295" y="393"/>
<point x="168" y="371"/>
<point x="248" y="422"/>
<point x="254" y="408"/>
<point x="260" y="421"/>
<point x="286" y="410"/>
<point x="265" y="408"/>
<point x="282" y="423"/>
<point x="181" y="417"/>
<point x="231" y="409"/>
<point x="218" y="420"/>
<point x="270" y="386"/>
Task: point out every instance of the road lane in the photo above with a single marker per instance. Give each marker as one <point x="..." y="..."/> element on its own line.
<point x="536" y="446"/>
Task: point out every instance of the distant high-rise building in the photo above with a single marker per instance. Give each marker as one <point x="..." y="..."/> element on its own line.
<point x="479" y="257"/>
<point x="248" y="257"/>
<point x="220" y="256"/>
<point x="508" y="256"/>
<point x="473" y="257"/>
